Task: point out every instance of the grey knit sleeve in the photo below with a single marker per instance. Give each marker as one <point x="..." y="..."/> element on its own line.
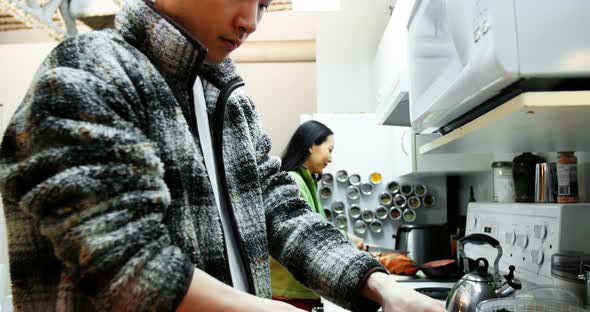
<point x="91" y="183"/>
<point x="312" y="249"/>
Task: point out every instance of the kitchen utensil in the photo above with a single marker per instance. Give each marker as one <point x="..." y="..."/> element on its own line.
<point x="406" y="189"/>
<point x="393" y="187"/>
<point x="525" y="305"/>
<point x="445" y="268"/>
<point x="353" y="192"/>
<point x="376" y="226"/>
<point x="478" y="285"/>
<point x="325" y="191"/>
<point x="338" y="207"/>
<point x="414" y="202"/>
<point x="355" y="211"/>
<point x="424" y="242"/>
<point x="420" y="190"/>
<point x="327" y="178"/>
<point x="385" y="198"/>
<point x="409" y="215"/>
<point x="395" y="213"/>
<point x="381" y="212"/>
<point x="428" y="201"/>
<point x="354" y="179"/>
<point x="360" y="227"/>
<point x="366" y="188"/>
<point x="367" y="215"/>
<point x="546" y="183"/>
<point x="342" y="176"/>
<point x="399" y="201"/>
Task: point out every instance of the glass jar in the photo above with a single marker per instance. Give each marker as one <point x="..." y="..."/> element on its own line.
<point x="503" y="184"/>
<point x="567" y="177"/>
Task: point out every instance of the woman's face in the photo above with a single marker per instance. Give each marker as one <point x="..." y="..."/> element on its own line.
<point x="320" y="155"/>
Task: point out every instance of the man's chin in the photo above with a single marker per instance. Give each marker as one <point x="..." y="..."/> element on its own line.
<point x="215" y="60"/>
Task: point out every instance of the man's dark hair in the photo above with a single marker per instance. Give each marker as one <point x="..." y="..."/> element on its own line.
<point x="309" y="133"/>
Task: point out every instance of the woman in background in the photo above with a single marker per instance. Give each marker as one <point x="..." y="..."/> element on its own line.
<point x="309" y="151"/>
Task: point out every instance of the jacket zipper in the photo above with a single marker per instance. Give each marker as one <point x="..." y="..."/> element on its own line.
<point x="218" y="125"/>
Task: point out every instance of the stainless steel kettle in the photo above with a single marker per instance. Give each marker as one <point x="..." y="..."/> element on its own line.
<point x="478" y="285"/>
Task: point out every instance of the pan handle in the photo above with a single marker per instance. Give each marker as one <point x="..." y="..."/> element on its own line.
<point x="394" y="236"/>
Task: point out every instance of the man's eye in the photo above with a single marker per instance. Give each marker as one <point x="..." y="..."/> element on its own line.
<point x="263" y="7"/>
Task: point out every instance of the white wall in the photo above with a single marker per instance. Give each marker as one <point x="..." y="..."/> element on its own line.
<point x="346" y="45"/>
<point x="18" y="63"/>
<point x="281" y="92"/>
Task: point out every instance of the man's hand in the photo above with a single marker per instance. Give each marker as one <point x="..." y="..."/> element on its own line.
<point x="394" y="297"/>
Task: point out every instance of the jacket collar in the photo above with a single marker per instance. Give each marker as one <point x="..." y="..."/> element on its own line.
<point x="173" y="50"/>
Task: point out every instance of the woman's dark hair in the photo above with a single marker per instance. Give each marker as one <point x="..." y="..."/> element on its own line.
<point x="309" y="133"/>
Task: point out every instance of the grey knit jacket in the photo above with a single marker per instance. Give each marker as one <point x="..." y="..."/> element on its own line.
<point x="106" y="195"/>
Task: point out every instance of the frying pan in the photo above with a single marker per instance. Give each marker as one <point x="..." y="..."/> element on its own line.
<point x="445" y="268"/>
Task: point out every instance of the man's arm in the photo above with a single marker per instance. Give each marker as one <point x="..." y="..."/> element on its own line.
<point x="208" y="294"/>
<point x="94" y="184"/>
<point x="311" y="248"/>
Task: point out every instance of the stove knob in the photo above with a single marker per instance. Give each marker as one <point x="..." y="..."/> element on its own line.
<point x="537" y="256"/>
<point x="522" y="240"/>
<point x="510" y="238"/>
<point x="540" y="231"/>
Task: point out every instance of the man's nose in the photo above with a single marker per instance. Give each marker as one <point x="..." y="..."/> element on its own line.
<point x="247" y="19"/>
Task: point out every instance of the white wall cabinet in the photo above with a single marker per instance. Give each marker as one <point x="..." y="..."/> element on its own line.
<point x="390" y="69"/>
<point x="437" y="164"/>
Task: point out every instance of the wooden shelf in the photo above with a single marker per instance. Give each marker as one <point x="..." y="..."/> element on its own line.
<point x="531" y="122"/>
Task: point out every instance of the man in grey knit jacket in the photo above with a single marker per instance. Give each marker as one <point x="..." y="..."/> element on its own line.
<point x="108" y="200"/>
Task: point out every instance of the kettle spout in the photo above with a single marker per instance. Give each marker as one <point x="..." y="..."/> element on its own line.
<point x="511" y="285"/>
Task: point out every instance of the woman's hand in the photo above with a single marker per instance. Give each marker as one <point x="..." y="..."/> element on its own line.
<point x="357" y="242"/>
<point x="395" y="297"/>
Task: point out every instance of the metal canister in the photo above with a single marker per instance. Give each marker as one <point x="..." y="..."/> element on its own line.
<point x="420" y="190"/>
<point x="393" y="187"/>
<point x="327" y="178"/>
<point x="406" y="189"/>
<point x="546" y="183"/>
<point x="353" y="192"/>
<point x="399" y="201"/>
<point x="385" y="198"/>
<point x="366" y="188"/>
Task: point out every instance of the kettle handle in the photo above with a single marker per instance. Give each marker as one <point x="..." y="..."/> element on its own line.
<point x="480" y="239"/>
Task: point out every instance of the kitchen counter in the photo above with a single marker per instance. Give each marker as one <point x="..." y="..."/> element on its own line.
<point x="411" y="281"/>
